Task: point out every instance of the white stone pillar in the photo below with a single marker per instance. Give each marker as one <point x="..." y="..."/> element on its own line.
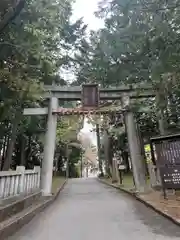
<point x="12" y="185"/>
<point x="21" y="170"/>
<point x="134" y="147"/>
<point x="2" y="186"/>
<point x="37" y="170"/>
<point x="49" y="148"/>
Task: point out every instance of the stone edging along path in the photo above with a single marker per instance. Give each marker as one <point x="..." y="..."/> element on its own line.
<point x="59" y="190"/>
<point x="139" y="198"/>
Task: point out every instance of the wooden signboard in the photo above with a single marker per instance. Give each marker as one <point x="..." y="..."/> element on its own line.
<point x="90" y="96"/>
<point x="166" y="152"/>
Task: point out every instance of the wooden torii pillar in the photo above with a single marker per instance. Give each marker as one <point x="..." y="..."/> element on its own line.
<point x="55" y="93"/>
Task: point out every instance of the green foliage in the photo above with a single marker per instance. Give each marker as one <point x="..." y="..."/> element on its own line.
<point x="138" y="44"/>
<point x="68" y="128"/>
<point x="34" y="48"/>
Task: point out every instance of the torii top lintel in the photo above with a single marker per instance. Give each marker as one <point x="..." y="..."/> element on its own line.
<point x="70" y="93"/>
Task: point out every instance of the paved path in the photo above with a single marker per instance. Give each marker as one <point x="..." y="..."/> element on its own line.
<point x="89" y="210"/>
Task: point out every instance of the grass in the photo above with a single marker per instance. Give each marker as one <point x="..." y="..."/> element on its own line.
<point x="57" y="183"/>
<point x="128" y="182"/>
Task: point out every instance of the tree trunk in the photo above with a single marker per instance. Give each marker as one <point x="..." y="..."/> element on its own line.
<point x="28" y="152"/>
<point x="141" y="143"/>
<point x="110" y="155"/>
<point x="162" y="128"/>
<point x="173" y="108"/>
<point x="5" y="143"/>
<point x="106" y="152"/>
<point x="125" y="156"/>
<point x="161" y="106"/>
<point x="23" y="145"/>
<point x="99" y="149"/>
<point x="10" y="147"/>
<point x="67" y="162"/>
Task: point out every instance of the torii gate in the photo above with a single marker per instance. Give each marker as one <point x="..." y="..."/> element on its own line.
<point x="90" y="95"/>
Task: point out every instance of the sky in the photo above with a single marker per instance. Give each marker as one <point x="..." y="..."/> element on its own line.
<point x="87" y="129"/>
<point x="86" y="9"/>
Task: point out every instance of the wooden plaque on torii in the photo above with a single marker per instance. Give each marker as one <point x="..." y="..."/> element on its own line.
<point x="90" y="96"/>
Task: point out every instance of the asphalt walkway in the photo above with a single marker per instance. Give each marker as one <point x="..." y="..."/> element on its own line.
<point x="89" y="210"/>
